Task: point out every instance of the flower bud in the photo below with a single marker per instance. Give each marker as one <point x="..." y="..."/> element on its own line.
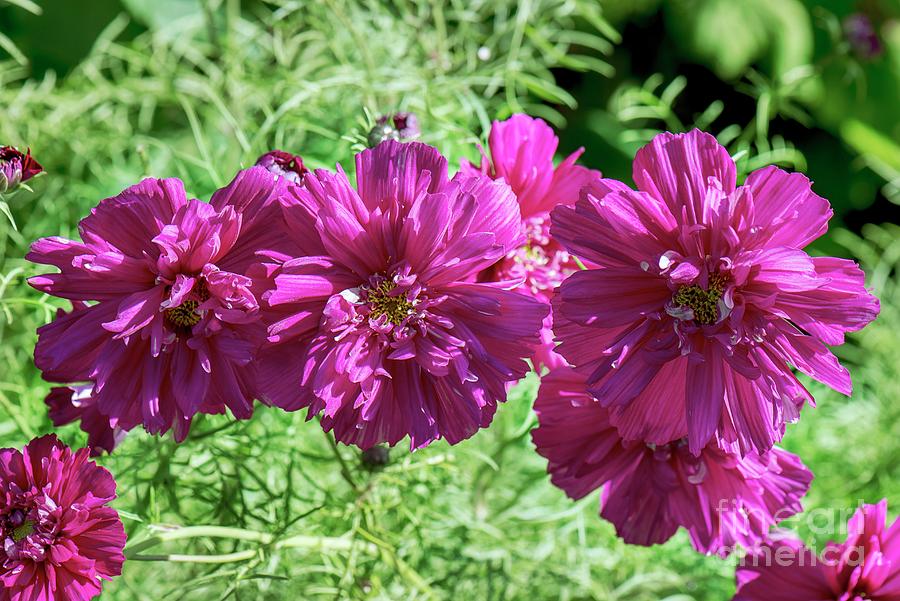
<point x="399" y="126"/>
<point x="287" y="165"/>
<point x="16" y="167"/>
<point x="862" y="37"/>
<point x="376" y="457"/>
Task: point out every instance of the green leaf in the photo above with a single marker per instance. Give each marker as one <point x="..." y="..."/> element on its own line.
<point x="12" y="50"/>
<point x="162" y="14"/>
<point x="4" y="208"/>
<point x="871" y="143"/>
<point x="731" y="35"/>
<point x="28" y="5"/>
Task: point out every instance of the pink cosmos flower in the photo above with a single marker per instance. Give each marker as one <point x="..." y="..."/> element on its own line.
<point x="521" y="153"/>
<point x="649" y="490"/>
<point x="59" y="537"/>
<point x="174" y="325"/>
<point x="703" y="298"/>
<point x="864" y="567"/>
<point x="378" y="322"/>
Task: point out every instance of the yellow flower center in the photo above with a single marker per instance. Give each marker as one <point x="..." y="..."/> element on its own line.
<point x="703" y="303"/>
<point x="184" y="315"/>
<point x="381" y="302"/>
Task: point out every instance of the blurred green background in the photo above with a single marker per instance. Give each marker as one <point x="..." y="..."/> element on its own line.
<point x="108" y="91"/>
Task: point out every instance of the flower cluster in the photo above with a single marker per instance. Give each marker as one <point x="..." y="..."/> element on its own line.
<point x="407" y="304"/>
<point x="369" y="300"/>
<point x="59" y="536"/>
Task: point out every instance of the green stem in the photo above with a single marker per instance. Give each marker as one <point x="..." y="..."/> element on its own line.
<point x="323" y="543"/>
<point x="226" y="558"/>
<point x="16" y="416"/>
<point x="345" y="469"/>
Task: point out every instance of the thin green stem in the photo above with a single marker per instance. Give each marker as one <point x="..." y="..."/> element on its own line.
<point x="345" y="469"/>
<point x="322" y="543"/>
<point x="16" y="416"/>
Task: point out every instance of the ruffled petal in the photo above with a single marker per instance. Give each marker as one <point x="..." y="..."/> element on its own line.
<point x="398" y="174"/>
<point x="676" y="168"/>
<point x="130" y="220"/>
<point x="786" y="212"/>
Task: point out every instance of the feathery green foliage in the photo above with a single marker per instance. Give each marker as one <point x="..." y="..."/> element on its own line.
<point x="272" y="508"/>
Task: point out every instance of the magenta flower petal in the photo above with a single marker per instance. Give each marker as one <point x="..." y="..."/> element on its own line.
<point x="865" y="566"/>
<point x="136" y="215"/>
<point x="59" y="537"/>
<point x="649" y="491"/>
<point x="676" y="169"/>
<point x="786" y="202"/>
<point x="622" y="292"/>
<point x="382" y="328"/>
<point x="522" y="150"/>
<point x="658" y="414"/>
<point x="692" y="268"/>
<point x="799" y="578"/>
<point x="256" y="195"/>
<point x="835" y="306"/>
<point x="399" y="173"/>
<point x="480" y="223"/>
<point x="68" y="404"/>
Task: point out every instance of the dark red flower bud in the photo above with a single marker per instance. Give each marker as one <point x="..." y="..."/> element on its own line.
<point x="287" y="165"/>
<point x="16" y="167"/>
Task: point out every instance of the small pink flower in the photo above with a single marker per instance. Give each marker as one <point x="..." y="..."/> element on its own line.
<point x="59" y="537"/>
<point x="521" y="153"/>
<point x="703" y="298"/>
<point x="862" y="36"/>
<point x="720" y="498"/>
<point x="864" y="567"/>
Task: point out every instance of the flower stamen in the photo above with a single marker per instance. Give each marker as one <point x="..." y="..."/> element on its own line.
<point x="395" y="307"/>
<point x="703" y="303"/>
<point x="186" y="315"/>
